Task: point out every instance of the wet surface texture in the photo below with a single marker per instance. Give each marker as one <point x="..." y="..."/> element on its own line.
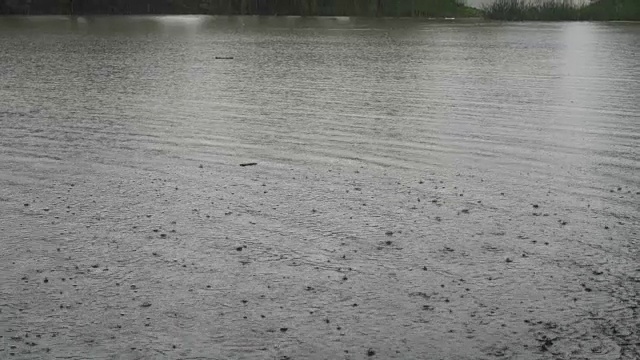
<point x="466" y="191"/>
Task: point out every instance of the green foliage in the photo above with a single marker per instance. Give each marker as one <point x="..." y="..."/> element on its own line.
<point x="561" y="10"/>
<point x="519" y="10"/>
<point x="613" y="10"/>
<point x="429" y="8"/>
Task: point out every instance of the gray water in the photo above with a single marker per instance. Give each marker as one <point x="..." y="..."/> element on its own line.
<point x="441" y="190"/>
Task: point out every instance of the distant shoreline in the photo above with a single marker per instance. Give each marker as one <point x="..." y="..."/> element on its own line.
<point x="469" y="19"/>
<point x="368" y="8"/>
<point x="501" y="10"/>
<point x="560" y="10"/>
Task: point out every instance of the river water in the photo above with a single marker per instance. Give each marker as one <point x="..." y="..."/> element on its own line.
<point x="441" y="190"/>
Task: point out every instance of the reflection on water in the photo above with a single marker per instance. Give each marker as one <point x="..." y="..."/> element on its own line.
<point x="492" y="116"/>
<point x="461" y="89"/>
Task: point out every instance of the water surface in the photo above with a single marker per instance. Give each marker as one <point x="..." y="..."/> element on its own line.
<point x="466" y="190"/>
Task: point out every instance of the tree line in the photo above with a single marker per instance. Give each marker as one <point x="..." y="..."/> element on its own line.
<point x="435" y="8"/>
<point x="563" y="10"/>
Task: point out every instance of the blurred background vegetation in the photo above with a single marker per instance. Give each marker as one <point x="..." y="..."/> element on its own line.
<point x="513" y="10"/>
<point x="558" y="10"/>
<point x="428" y="8"/>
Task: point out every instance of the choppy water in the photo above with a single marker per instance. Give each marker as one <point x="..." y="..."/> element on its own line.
<point x="450" y="190"/>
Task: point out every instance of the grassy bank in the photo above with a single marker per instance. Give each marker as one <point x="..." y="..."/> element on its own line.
<point x="562" y="10"/>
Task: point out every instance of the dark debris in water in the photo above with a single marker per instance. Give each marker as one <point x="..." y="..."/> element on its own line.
<point x="371" y="352"/>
